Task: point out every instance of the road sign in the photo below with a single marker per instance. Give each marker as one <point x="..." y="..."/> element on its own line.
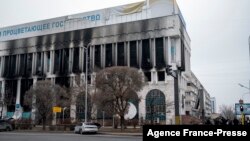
<point x="246" y="108"/>
<point x="57" y="109"/>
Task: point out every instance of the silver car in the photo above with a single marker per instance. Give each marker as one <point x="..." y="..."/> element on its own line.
<point x="5" y="126"/>
<point x="87" y="127"/>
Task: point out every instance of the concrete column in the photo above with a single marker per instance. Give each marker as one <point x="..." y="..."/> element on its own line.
<point x="52" y="53"/>
<point x="80" y="59"/>
<point x="18" y="95"/>
<point x="102" y="56"/>
<point x="128" y="54"/>
<point x="153" y="52"/>
<point x="33" y="64"/>
<point x="114" y="53"/>
<point x="139" y="52"/>
<point x="33" y="110"/>
<point x="4" y="108"/>
<point x="71" y="54"/>
<point x="1" y="66"/>
<point x="169" y="51"/>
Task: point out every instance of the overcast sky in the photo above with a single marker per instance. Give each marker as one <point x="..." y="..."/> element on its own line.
<point x="219" y="31"/>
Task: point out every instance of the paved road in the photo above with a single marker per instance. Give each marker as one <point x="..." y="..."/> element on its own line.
<point x="19" y="136"/>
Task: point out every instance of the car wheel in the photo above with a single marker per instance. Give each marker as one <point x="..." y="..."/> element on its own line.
<point x="7" y="128"/>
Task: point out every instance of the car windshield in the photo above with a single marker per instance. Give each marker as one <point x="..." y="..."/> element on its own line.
<point x="89" y="123"/>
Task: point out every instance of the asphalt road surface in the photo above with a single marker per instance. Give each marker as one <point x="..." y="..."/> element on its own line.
<point x="20" y="136"/>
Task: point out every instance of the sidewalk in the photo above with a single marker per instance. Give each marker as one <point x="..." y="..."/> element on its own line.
<point x="130" y="131"/>
<point x="107" y="130"/>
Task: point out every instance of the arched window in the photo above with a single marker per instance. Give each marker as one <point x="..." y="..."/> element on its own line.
<point x="155" y="105"/>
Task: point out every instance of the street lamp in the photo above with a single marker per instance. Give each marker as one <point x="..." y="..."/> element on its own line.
<point x="103" y="116"/>
<point x="244" y="86"/>
<point x="86" y="81"/>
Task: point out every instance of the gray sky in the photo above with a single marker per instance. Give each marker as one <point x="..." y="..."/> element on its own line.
<point x="219" y="31"/>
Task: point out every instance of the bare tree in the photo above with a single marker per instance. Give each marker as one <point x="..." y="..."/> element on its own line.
<point x="227" y="112"/>
<point x="118" y="85"/>
<point x="43" y="96"/>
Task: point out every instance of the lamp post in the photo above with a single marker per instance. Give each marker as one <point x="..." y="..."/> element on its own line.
<point x="103" y="116"/>
<point x="245" y="87"/>
<point x="86" y="82"/>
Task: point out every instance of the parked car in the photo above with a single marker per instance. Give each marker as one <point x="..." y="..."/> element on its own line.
<point x="87" y="127"/>
<point x="5" y="126"/>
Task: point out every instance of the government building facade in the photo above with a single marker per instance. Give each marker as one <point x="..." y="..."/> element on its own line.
<point x="147" y="35"/>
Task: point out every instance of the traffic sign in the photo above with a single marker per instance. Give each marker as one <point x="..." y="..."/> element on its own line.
<point x="57" y="109"/>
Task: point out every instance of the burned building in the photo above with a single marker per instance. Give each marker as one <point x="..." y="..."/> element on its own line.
<point x="146" y="35"/>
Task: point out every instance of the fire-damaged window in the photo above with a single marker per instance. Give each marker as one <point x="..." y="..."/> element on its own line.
<point x="10" y="94"/>
<point x="25" y="86"/>
<point x="98" y="56"/>
<point x="48" y="60"/>
<point x="63" y="81"/>
<point x="57" y="61"/>
<point x="133" y="54"/>
<point x="161" y="75"/>
<point x="25" y="65"/>
<point x="120" y="54"/>
<point x="61" y="61"/>
<point x="39" y="64"/>
<point x="6" y="66"/>
<point x="148" y="75"/>
<point x="76" y="67"/>
<point x="109" y="58"/>
<point x="159" y="53"/>
<point x="13" y="65"/>
<point x="145" y="61"/>
<point x="88" y="60"/>
<point x="65" y="61"/>
<point x="10" y="66"/>
<point x="29" y="64"/>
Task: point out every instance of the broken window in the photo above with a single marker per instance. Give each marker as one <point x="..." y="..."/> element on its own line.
<point x="148" y="76"/>
<point x="10" y="94"/>
<point x="57" y="61"/>
<point x="39" y="64"/>
<point x="88" y="60"/>
<point x="22" y="64"/>
<point x="13" y="66"/>
<point x="6" y="66"/>
<point x="29" y="65"/>
<point x="63" y="81"/>
<point x="145" y="61"/>
<point x="48" y="60"/>
<point x="161" y="76"/>
<point x="133" y="54"/>
<point x="120" y="54"/>
<point x="10" y="66"/>
<point x="109" y="58"/>
<point x="25" y="86"/>
<point x="98" y="56"/>
<point x="65" y="61"/>
<point x="159" y="53"/>
<point x="76" y="68"/>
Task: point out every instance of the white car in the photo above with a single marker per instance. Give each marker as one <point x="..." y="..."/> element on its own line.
<point x="87" y="127"/>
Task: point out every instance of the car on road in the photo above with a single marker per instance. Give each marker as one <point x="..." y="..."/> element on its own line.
<point x="86" y="127"/>
<point x="5" y="126"/>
